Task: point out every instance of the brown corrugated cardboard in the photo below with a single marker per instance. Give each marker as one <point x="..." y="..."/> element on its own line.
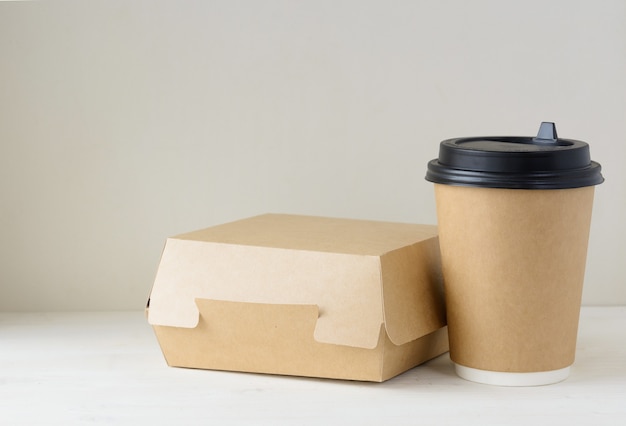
<point x="301" y="295"/>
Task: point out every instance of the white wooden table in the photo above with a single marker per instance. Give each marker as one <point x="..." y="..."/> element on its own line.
<point x="107" y="368"/>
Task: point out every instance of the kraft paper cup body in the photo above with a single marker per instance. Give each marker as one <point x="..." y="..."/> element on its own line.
<point x="513" y="266"/>
<point x="514" y="215"/>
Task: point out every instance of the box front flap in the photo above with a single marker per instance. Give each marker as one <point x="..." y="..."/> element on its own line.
<point x="345" y="287"/>
<point x="266" y="338"/>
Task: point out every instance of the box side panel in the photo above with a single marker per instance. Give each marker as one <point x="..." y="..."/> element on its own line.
<point x="264" y="338"/>
<point x="400" y="358"/>
<point x="413" y="291"/>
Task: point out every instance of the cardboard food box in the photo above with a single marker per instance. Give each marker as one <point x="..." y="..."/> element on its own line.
<point x="301" y="295"/>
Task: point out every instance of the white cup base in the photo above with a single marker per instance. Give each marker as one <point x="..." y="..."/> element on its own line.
<point x="511" y="379"/>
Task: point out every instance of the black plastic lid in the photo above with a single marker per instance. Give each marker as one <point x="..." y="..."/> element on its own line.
<point x="541" y="162"/>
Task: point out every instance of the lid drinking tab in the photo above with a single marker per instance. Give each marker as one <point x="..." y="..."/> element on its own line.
<point x="547" y="133"/>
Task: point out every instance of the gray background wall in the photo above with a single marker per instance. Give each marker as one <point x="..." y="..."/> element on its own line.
<point x="124" y="122"/>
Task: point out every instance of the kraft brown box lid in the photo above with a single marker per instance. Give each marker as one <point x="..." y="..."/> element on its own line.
<point x="359" y="273"/>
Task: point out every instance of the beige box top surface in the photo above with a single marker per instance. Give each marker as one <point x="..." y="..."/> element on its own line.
<point x="361" y="274"/>
<point x="333" y="235"/>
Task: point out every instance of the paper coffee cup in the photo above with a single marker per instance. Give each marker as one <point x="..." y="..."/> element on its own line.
<point x="514" y="216"/>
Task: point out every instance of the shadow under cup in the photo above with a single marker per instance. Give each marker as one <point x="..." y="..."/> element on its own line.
<point x="514" y="215"/>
